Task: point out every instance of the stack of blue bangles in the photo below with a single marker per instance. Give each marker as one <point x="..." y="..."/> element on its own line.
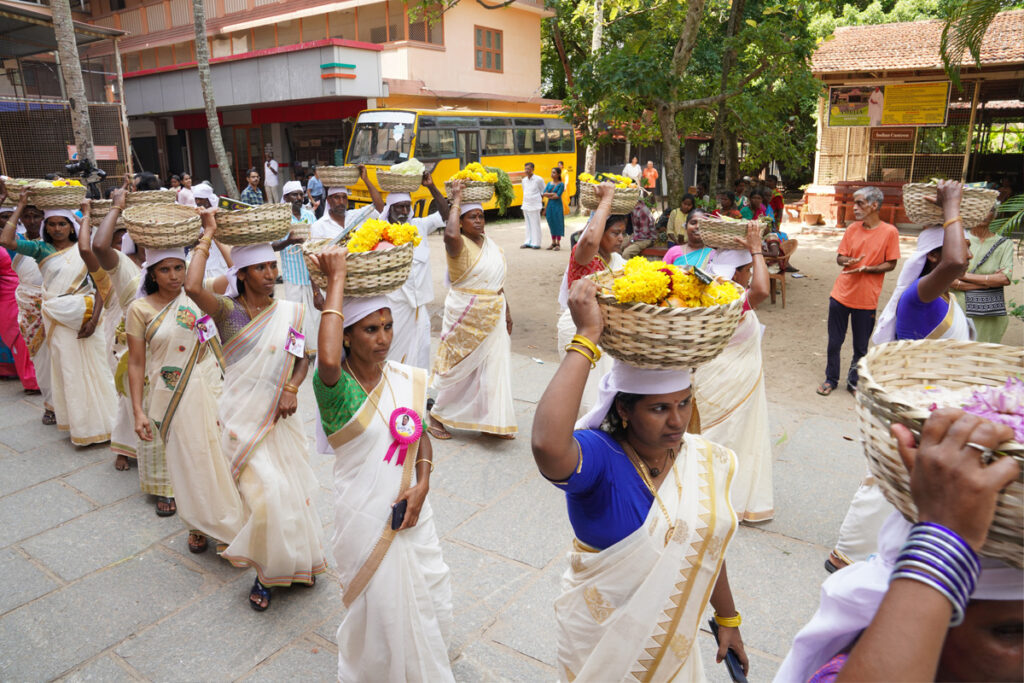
<point x="939" y="558"/>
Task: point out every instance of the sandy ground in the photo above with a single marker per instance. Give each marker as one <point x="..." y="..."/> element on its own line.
<point x="795" y="336"/>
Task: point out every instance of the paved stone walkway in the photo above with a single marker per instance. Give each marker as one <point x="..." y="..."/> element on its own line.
<point x="97" y="587"/>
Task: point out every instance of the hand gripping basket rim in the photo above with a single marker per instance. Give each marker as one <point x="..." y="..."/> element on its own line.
<point x="473" y="191"/>
<point x="257" y="225"/>
<point x="624" y="199"/>
<point x="162" y="226"/>
<point x="891" y="366"/>
<point x="975" y="206"/>
<point x="716" y="233"/>
<point x="658" y="337"/>
<point x="398" y="182"/>
<point x="368" y="273"/>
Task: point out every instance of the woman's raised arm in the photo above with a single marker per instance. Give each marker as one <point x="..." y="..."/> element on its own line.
<point x="453" y="228"/>
<point x="102" y="243"/>
<point x="330" y="338"/>
<point x="590" y="240"/>
<point x="953" y="261"/>
<point x="204" y="298"/>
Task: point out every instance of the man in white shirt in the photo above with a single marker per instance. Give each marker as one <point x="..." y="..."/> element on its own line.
<point x="632" y="170"/>
<point x="533" y="203"/>
<point x="335" y="220"/>
<point x="271" y="178"/>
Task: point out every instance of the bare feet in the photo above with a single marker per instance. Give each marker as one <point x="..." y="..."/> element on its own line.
<point x="122" y="463"/>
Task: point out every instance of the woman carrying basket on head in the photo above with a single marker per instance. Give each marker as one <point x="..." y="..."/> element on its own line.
<point x="472" y="373"/>
<point x="649" y="505"/>
<point x="596" y="251"/>
<point x="394" y="581"/>
<point x="84" y="399"/>
<point x="263" y="439"/>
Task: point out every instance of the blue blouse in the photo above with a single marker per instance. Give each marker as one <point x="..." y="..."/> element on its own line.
<point x="915" y="319"/>
<point x="606" y="498"/>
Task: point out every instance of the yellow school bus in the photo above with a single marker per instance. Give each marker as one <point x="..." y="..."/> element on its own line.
<point x="445" y="141"/>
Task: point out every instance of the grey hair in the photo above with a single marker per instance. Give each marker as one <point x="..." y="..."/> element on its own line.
<point x="872" y="194"/>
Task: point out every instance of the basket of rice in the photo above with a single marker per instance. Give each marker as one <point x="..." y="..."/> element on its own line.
<point x="162" y="226"/>
<point x="259" y="224"/>
<point x="905" y="381"/>
<point x="47" y="194"/>
<point x="975" y="205"/>
<point x="625" y="196"/>
<point x="150" y="197"/>
<point x="657" y="315"/>
<point x="404" y="177"/>
<point x="718" y="232"/>
<point x="379" y="257"/>
<point x="337" y="176"/>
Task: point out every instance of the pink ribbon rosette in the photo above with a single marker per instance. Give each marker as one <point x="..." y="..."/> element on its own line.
<point x="406" y="429"/>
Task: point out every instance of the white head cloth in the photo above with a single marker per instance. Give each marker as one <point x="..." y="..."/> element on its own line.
<point x="631" y="380"/>
<point x="466" y="208"/>
<point x="153" y="257"/>
<point x="204" y="191"/>
<point x="851" y="597"/>
<point x="70" y="215"/>
<point x="726" y="262"/>
<point x="340" y="189"/>
<point x="394" y="198"/>
<point x="128" y="244"/>
<point x="244" y="256"/>
<point x="289" y="187"/>
<point x="930" y="238"/>
<point x="356" y="308"/>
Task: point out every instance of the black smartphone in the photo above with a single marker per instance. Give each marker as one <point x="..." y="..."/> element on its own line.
<point x="732" y="662"/>
<point x="398" y="514"/>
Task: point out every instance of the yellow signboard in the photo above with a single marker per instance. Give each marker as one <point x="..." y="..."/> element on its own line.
<point x="915" y="104"/>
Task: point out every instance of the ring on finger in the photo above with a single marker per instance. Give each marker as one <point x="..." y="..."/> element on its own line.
<point x="987" y="455"/>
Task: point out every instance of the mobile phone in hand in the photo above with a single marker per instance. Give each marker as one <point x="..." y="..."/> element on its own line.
<point x="398" y="514"/>
<point x="732" y="662"/>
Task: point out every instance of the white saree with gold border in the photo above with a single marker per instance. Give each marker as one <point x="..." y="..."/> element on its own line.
<point x="84" y="399"/>
<point x="182" y="405"/>
<point x="124" y="281"/>
<point x="280" y="535"/>
<point x="29" y="296"/>
<point x="730" y="395"/>
<point x="472" y="369"/>
<point x="631" y="612"/>
<point x="396" y="586"/>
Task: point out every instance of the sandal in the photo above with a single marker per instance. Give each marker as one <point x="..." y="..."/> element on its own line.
<point x="504" y="437"/>
<point x="261" y="593"/>
<point x="826" y="388"/>
<point x="121" y="463"/>
<point x="49" y="418"/>
<point x="169" y="507"/>
<point x="438" y="432"/>
<point x="196" y="542"/>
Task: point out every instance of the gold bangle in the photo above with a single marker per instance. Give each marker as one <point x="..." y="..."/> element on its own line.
<point x="201" y="248"/>
<point x="291" y="388"/>
<point x="950" y="221"/>
<point x="328" y="311"/>
<point x="580" y="350"/>
<point x="729" y="622"/>
<point x="429" y="462"/>
<point x="583" y="341"/>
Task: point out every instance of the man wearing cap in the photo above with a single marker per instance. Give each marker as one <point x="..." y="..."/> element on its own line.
<point x="297" y="286"/>
<point x="335" y="220"/>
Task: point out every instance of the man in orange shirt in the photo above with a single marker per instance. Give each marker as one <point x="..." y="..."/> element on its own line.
<point x="869" y="249"/>
<point x="651" y="178"/>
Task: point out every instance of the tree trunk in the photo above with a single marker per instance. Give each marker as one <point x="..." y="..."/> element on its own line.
<point x="212" y="123"/>
<point x="673" y="158"/>
<point x="556" y="35"/>
<point x="732" y="159"/>
<point x="71" y="70"/>
<point x="590" y="163"/>
<point x="728" y="59"/>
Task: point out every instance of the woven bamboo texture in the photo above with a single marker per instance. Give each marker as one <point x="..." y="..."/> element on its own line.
<point x="718" y="234"/>
<point x="162" y="226"/>
<point x="396" y="182"/>
<point x="473" y="191"/>
<point x="300" y="230"/>
<point x="656" y="337"/>
<point x="367" y="273"/>
<point x="44" y="196"/>
<point x="260" y="224"/>
<point x="99" y="208"/>
<point x="948" y="363"/>
<point x="337" y="176"/>
<point x="151" y="197"/>
<point x="623" y="200"/>
<point x="975" y="205"/>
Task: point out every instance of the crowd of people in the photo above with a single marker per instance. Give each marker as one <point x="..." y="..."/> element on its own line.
<point x="190" y="365"/>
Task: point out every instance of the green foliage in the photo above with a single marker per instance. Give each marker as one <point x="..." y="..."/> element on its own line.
<point x="1009" y="220"/>
<point x="503" y="190"/>
<point x="825" y="22"/>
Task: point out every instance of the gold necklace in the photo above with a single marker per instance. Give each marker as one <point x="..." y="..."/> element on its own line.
<point x="641" y="470"/>
<point x="248" y="310"/>
<point x="369" y="395"/>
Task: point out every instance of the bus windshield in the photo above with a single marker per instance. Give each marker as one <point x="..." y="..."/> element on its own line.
<point x="382" y="137"/>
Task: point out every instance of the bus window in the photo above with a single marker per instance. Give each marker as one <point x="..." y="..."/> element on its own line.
<point x="498" y="141"/>
<point x="559" y="140"/>
<point x="435" y="144"/>
<point x="381" y="142"/>
<point x="469" y="147"/>
<point x="530" y="140"/>
<point x="494" y="122"/>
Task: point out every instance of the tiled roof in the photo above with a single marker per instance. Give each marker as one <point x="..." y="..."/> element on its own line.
<point x="913" y="45"/>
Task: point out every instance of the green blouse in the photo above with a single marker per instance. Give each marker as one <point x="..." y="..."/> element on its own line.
<point x="36" y="249"/>
<point x="338" y="403"/>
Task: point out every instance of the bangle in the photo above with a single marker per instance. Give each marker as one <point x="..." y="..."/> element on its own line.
<point x="941" y="559"/>
<point x="583" y="352"/>
<point x="586" y="343"/>
<point x="333" y="311"/>
<point x="291" y="388"/>
<point x="950" y="221"/>
<point x="429" y="462"/>
<point x="729" y="622"/>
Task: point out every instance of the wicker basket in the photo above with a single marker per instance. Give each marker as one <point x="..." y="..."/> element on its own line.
<point x="151" y="197"/>
<point x="99" y="208"/>
<point x="396" y="182"/>
<point x="655" y="337"/>
<point x="300" y="230"/>
<point x="368" y="273"/>
<point x="718" y="233"/>
<point x="473" y="191"/>
<point x="975" y="206"/>
<point x="258" y="225"/>
<point x="337" y="176"/>
<point x="42" y="195"/>
<point x="623" y="200"/>
<point x="954" y="364"/>
<point x="162" y="226"/>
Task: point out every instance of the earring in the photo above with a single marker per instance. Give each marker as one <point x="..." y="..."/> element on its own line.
<point x="625" y="423"/>
<point x="345" y="344"/>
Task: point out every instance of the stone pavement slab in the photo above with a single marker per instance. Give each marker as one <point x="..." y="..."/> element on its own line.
<point x="101" y="670"/>
<point x="36" y="509"/>
<point x="23" y="580"/>
<point x="103" y="484"/>
<point x="303" y="661"/>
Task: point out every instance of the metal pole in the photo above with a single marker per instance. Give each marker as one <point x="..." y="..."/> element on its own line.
<point x="125" y="137"/>
<point x="970" y="132"/>
<point x="846" y="156"/>
<point x="913" y="155"/>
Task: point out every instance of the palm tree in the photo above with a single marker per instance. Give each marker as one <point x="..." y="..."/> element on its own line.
<point x="212" y="123"/>
<point x="71" y="71"/>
